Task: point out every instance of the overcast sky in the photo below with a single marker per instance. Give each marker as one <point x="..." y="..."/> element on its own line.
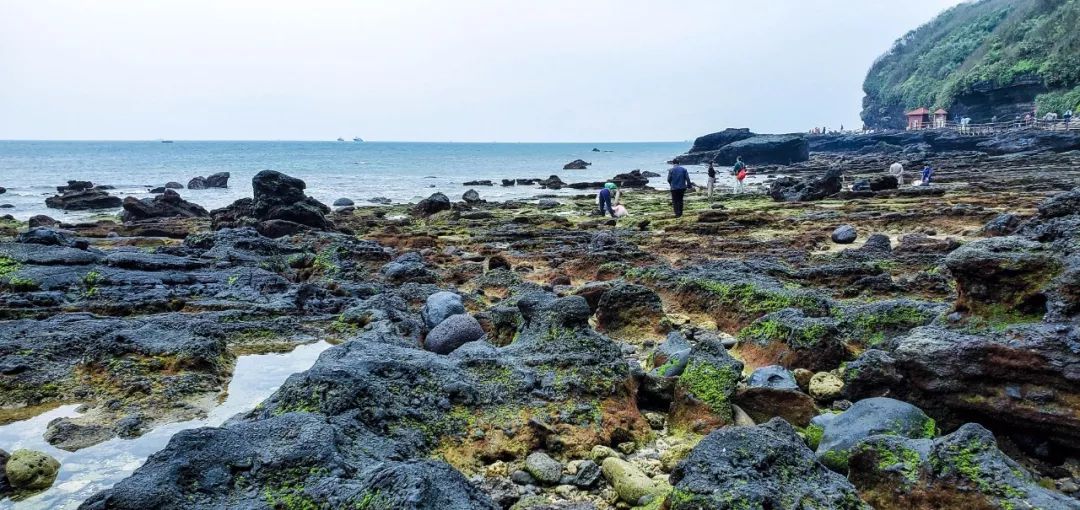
<point x="439" y="70"/>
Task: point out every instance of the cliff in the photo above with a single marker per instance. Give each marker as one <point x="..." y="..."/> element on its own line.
<point x="981" y="59"/>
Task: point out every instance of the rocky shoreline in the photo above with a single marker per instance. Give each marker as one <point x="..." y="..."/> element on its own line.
<point x="530" y="355"/>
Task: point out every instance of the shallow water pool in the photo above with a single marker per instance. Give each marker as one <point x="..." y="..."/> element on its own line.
<point x="98" y="467"/>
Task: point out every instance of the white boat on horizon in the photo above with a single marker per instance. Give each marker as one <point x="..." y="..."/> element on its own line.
<point x="357" y="139"/>
<point x="340" y="139"/>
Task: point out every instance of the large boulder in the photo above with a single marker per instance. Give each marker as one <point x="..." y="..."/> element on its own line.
<point x="78" y="198"/>
<point x="703" y="393"/>
<point x="437" y="202"/>
<point x="714" y="141"/>
<point x="631" y="311"/>
<point x="632" y="179"/>
<point x="1002" y="277"/>
<point x="279" y="207"/>
<point x="31" y="470"/>
<point x="764" y="466"/>
<point x="774" y="377"/>
<point x="1021" y="380"/>
<point x="630" y="483"/>
<point x="453" y="332"/>
<point x="577" y="164"/>
<point x="964" y="469"/>
<point x="772" y="391"/>
<point x="790" y="189"/>
<point x="218" y="180"/>
<point x="439" y="306"/>
<point x="791" y="339"/>
<point x="871" y="417"/>
<point x="166" y="205"/>
<point x="754" y="149"/>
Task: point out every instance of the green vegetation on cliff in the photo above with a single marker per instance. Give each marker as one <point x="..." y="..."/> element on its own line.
<point x="974" y="48"/>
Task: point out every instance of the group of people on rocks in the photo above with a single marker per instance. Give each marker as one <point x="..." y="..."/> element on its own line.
<point x="927" y="174"/>
<point x="609" y="198"/>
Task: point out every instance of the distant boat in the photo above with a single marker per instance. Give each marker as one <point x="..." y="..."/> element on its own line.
<point x="340" y="139"/>
<point x="166" y="141"/>
<point x="357" y="139"/>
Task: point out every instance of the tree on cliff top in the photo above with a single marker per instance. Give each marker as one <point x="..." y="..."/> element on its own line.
<point x="975" y="47"/>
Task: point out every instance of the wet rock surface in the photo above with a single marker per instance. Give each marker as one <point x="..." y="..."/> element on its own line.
<point x="595" y="345"/>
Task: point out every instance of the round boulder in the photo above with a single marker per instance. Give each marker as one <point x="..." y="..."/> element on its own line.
<point x="439" y="306"/>
<point x="453" y="332"/>
<point x="343" y="202"/>
<point x="471" y="197"/>
<point x="543" y="468"/>
<point x="31" y="470"/>
<point x="871" y="417"/>
<point x="844" y="234"/>
<point x="41" y="220"/>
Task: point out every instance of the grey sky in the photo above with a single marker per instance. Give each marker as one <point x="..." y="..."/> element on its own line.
<point x="464" y="70"/>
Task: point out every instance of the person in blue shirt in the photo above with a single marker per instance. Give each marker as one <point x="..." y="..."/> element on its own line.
<point x="679" y="180"/>
<point x="927" y="174"/>
<point x="604" y="199"/>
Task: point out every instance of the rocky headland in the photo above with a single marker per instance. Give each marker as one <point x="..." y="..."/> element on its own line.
<point x="803" y="345"/>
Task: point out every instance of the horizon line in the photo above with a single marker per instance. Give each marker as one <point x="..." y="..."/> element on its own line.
<point x="316" y="140"/>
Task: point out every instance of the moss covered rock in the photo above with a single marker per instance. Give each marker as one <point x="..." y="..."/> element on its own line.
<point x="31" y="470"/>
<point x="704" y="390"/>
<point x="765" y="466"/>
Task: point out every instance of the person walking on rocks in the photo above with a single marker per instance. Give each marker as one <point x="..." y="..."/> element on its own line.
<point x="712" y="180"/>
<point x="603" y="199"/>
<point x="737" y="170"/>
<point x="679" y="180"/>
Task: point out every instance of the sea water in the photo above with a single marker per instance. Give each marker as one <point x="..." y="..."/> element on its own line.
<point x="401" y="171"/>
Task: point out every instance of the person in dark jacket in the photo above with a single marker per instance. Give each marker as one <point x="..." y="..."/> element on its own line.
<point x="604" y="199"/>
<point x="679" y="180"/>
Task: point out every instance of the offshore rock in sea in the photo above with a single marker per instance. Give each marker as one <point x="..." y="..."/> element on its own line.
<point x="168" y="204"/>
<point x="724" y="147"/>
<point x="577" y="164"/>
<point x="82" y="196"/>
<point x="279" y="208"/>
<point x="218" y="180"/>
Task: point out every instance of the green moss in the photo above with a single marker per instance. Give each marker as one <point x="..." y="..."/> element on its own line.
<point x="710" y="384"/>
<point x="7" y="265"/>
<point x="929" y="429"/>
<point x="372" y="501"/>
<point x="20" y="284"/>
<point x="837" y="460"/>
<point x="813" y="435"/>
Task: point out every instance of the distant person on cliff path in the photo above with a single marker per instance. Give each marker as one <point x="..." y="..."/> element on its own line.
<point x="679" y="180"/>
<point x="712" y="179"/>
<point x="603" y="198"/>
<point x="1067" y="118"/>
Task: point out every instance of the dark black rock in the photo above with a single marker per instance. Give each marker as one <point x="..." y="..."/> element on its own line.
<point x="1002" y="225"/>
<point x="168" y="204"/>
<point x="40" y="220"/>
<point x="343" y="202"/>
<point x="439" y="306"/>
<point x="632" y="179"/>
<point x="844" y="234"/>
<point x="883" y="182"/>
<point x="158" y="190"/>
<point x="479" y="183"/>
<point x="789" y="189"/>
<point x="279" y="207"/>
<point x="218" y="180"/>
<point x="83" y="199"/>
<point x="173" y="185"/>
<point x="754" y="150"/>
<point x="871" y="417"/>
<point x="765" y="466"/>
<point x="437" y="202"/>
<point x="577" y="164"/>
<point x="471" y="197"/>
<point x="45" y="236"/>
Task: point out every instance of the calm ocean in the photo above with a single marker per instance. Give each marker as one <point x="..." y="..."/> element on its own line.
<point x="400" y="171"/>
